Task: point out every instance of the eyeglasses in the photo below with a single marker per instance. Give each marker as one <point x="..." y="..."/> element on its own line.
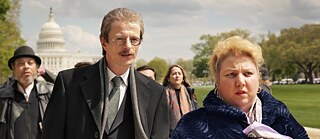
<point x="122" y="41"/>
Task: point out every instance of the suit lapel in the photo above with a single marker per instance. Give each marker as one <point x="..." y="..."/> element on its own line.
<point x="91" y="89"/>
<point x="143" y="95"/>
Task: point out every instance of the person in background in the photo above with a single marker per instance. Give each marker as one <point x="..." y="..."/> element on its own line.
<point x="265" y="81"/>
<point x="82" y="64"/>
<point x="46" y="75"/>
<point x="109" y="99"/>
<point x="23" y="100"/>
<point x="237" y="107"/>
<point x="180" y="94"/>
<point x="148" y="71"/>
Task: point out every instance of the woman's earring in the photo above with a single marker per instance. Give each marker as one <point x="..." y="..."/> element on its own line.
<point x="216" y="91"/>
<point x="259" y="89"/>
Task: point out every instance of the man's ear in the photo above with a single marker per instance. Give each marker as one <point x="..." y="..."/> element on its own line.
<point x="102" y="41"/>
<point x="12" y="66"/>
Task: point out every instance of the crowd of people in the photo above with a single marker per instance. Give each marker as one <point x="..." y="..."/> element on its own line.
<point x="111" y="99"/>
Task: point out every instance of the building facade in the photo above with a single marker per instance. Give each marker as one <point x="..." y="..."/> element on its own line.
<point x="51" y="49"/>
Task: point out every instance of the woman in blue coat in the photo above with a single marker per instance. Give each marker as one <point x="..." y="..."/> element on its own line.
<point x="237" y="107"/>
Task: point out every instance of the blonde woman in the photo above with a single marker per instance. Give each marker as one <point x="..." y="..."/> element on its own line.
<point x="237" y="107"/>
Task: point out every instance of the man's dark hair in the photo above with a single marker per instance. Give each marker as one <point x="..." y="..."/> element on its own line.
<point x="82" y="64"/>
<point x="145" y="67"/>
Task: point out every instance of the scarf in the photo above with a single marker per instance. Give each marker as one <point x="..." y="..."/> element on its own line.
<point x="255" y="112"/>
<point x="139" y="130"/>
<point x="256" y="129"/>
<point x="104" y="94"/>
<point x="181" y="109"/>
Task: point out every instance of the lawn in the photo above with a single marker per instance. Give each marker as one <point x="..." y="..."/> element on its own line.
<point x="303" y="101"/>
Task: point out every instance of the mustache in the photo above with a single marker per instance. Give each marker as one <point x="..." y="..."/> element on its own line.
<point x="126" y="52"/>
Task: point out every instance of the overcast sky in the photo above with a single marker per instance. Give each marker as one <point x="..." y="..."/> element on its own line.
<point x="171" y="26"/>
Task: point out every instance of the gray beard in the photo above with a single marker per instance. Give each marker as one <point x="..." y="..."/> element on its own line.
<point x="27" y="80"/>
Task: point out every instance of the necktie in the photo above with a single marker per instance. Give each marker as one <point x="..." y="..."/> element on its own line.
<point x="114" y="97"/>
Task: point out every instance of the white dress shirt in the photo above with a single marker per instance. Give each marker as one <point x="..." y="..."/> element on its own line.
<point x="123" y="84"/>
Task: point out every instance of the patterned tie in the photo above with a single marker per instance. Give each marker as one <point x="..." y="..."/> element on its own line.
<point x="114" y="97"/>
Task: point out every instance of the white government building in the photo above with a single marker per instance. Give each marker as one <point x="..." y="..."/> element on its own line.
<point x="51" y="49"/>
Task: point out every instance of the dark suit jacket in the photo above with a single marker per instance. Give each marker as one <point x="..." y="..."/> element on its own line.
<point x="74" y="110"/>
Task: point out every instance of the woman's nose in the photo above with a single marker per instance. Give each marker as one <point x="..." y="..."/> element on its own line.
<point x="240" y="80"/>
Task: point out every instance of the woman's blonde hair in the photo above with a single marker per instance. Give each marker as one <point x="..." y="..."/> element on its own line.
<point x="234" y="46"/>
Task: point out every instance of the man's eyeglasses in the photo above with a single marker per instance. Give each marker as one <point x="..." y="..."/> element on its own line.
<point x="122" y="41"/>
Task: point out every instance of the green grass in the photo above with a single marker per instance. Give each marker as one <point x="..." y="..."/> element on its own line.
<point x="303" y="101"/>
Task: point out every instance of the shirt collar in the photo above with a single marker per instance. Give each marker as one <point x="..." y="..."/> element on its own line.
<point x="28" y="88"/>
<point x="124" y="76"/>
<point x="26" y="92"/>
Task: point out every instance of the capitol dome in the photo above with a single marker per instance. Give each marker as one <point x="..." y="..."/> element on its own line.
<point x="51" y="49"/>
<point x="51" y="37"/>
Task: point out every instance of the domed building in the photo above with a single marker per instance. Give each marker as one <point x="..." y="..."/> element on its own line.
<point x="51" y="49"/>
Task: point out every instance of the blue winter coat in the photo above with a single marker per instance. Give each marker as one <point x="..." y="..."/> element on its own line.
<point x="220" y="120"/>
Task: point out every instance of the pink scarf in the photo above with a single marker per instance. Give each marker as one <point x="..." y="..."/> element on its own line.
<point x="181" y="109"/>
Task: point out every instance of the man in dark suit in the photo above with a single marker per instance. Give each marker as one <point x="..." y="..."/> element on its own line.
<point x="82" y="104"/>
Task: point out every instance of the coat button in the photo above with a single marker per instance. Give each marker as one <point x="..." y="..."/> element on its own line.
<point x="96" y="134"/>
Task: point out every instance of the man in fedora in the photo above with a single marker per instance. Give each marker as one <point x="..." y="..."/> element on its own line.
<point x="24" y="100"/>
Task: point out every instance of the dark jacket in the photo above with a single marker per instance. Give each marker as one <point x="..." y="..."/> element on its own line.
<point x="10" y="111"/>
<point x="219" y="120"/>
<point x="75" y="112"/>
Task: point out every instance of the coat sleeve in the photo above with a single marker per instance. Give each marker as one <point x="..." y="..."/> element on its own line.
<point x="54" y="118"/>
<point x="161" y="121"/>
<point x="298" y="131"/>
<point x="286" y="124"/>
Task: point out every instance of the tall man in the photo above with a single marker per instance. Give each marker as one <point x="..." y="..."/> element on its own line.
<point x="24" y="99"/>
<point x="110" y="99"/>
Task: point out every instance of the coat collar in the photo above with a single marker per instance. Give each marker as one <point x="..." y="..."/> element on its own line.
<point x="90" y="87"/>
<point x="43" y="88"/>
<point x="215" y="105"/>
<point x="7" y="92"/>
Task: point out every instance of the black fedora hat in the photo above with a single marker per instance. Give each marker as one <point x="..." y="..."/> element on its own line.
<point x="24" y="51"/>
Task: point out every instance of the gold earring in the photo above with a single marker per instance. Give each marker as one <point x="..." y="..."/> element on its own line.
<point x="259" y="89"/>
<point x="216" y="91"/>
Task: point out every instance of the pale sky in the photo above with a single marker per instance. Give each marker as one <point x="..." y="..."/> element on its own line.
<point x="171" y="26"/>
